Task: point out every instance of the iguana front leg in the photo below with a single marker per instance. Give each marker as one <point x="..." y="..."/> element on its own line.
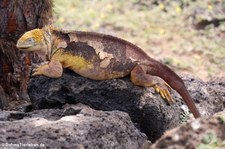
<point x="53" y="69"/>
<point x="140" y="77"/>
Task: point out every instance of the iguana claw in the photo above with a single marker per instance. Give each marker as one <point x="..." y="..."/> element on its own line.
<point x="163" y="91"/>
<point x="36" y="72"/>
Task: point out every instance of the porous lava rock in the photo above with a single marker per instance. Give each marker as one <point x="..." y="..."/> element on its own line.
<point x="74" y="126"/>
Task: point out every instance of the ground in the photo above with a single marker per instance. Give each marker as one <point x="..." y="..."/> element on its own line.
<point x="205" y="133"/>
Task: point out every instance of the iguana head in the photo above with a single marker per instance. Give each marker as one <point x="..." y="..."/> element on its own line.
<point x="33" y="40"/>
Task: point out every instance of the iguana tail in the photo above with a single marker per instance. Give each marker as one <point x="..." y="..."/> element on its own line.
<point x="176" y="83"/>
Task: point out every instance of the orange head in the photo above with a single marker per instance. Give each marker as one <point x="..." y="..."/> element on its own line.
<point x="33" y="40"/>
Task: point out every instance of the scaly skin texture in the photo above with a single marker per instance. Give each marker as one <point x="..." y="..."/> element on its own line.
<point x="101" y="57"/>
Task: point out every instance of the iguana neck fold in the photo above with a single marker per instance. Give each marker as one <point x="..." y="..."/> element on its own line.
<point x="48" y="41"/>
<point x="52" y="41"/>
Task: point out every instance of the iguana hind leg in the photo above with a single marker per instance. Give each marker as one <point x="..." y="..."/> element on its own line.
<point x="140" y="77"/>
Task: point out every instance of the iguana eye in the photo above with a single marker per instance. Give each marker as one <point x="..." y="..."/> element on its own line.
<point x="30" y="40"/>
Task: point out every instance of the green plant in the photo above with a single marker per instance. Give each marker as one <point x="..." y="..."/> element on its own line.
<point x="211" y="141"/>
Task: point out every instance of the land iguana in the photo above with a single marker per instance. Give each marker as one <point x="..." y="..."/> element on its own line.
<point x="100" y="57"/>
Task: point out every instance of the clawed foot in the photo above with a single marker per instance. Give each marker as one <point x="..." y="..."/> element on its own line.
<point x="163" y="91"/>
<point x="38" y="70"/>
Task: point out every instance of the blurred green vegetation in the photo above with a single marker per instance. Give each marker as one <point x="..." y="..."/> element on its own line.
<point x="211" y="141"/>
<point x="188" y="35"/>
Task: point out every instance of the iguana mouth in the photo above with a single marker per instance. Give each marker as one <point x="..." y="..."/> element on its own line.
<point x="23" y="47"/>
